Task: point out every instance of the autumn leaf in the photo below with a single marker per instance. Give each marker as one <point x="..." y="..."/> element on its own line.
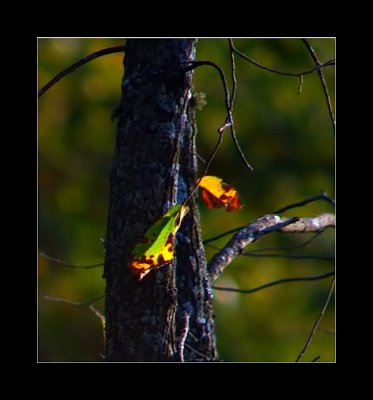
<point x="157" y="247"/>
<point x="217" y="193"/>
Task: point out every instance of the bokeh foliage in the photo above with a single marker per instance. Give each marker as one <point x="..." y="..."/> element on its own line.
<point x="287" y="137"/>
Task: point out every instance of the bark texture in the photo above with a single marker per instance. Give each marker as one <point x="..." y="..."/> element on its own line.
<point x="154" y="167"/>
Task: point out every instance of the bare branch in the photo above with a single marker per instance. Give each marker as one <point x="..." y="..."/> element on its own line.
<point x="58" y="261"/>
<point x="287" y="256"/>
<point x="96" y="312"/>
<point x="295" y="246"/>
<point x="316" y="224"/>
<point x="315" y="359"/>
<point x="73" y="303"/>
<point x="212" y="156"/>
<point x="257" y="229"/>
<point x="276" y="71"/>
<point x="100" y="317"/>
<point x="196" y="64"/>
<point x="183" y="335"/>
<point x="322" y="79"/>
<point x="228" y="104"/>
<point x="234" y="89"/>
<point x="220" y="131"/>
<point x="223" y="234"/>
<point x="236" y="143"/>
<point x="274" y="283"/>
<point x="300" y="84"/>
<point x="315" y="325"/>
<point x="290" y="256"/>
<point x="321" y="196"/>
<point x="240" y="240"/>
<point x="201" y="158"/>
<point x="195" y="351"/>
<point x="84" y="60"/>
<point x="233" y="74"/>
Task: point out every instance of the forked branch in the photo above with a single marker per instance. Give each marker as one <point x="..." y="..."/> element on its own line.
<point x="260" y="227"/>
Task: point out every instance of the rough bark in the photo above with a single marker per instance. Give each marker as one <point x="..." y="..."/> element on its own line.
<point x="153" y="167"/>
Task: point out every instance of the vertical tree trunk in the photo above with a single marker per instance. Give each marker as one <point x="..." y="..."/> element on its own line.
<point x="154" y="167"/>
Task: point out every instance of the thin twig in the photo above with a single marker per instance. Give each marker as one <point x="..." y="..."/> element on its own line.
<point x="323" y="82"/>
<point x="82" y="61"/>
<point x="223" y="234"/>
<point x="233" y="74"/>
<point x="276" y="71"/>
<point x="238" y="147"/>
<point x="290" y="256"/>
<point x="195" y="351"/>
<point x="295" y="246"/>
<point x="201" y="158"/>
<point x="96" y="312"/>
<point x="300" y="84"/>
<point x="58" y="261"/>
<point x="100" y="317"/>
<point x="315" y="359"/>
<point x="73" y="303"/>
<point x="321" y="196"/>
<point x="190" y="67"/>
<point x="192" y="336"/>
<point x="287" y="256"/>
<point x="315" y="325"/>
<point x="196" y="64"/>
<point x="228" y="120"/>
<point x="212" y="156"/>
<point x="274" y="283"/>
<point x="230" y="110"/>
<point x="183" y="335"/>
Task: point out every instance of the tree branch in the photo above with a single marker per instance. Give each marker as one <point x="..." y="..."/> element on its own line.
<point x="82" y="61"/>
<point x="295" y="246"/>
<point x="228" y="104"/>
<point x="315" y="325"/>
<point x="316" y="224"/>
<point x="233" y="73"/>
<point x="321" y="196"/>
<point x="257" y="229"/>
<point x="275" y="255"/>
<point x="289" y="256"/>
<point x="183" y="335"/>
<point x="274" y="283"/>
<point x="276" y="71"/>
<point x="73" y="303"/>
<point x="322" y="79"/>
<point x="65" y="264"/>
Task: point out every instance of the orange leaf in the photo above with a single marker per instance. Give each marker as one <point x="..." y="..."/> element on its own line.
<point x="217" y="193"/>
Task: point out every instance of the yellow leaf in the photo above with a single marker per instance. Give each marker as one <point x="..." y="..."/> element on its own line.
<point x="157" y="247"/>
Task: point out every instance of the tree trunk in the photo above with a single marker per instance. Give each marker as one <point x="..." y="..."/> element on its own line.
<point x="167" y="316"/>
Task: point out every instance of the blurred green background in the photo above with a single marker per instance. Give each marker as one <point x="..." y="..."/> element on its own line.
<point x="287" y="137"/>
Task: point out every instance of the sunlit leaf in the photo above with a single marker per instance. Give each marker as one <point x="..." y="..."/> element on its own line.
<point x="157" y="247"/>
<point x="217" y="193"/>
